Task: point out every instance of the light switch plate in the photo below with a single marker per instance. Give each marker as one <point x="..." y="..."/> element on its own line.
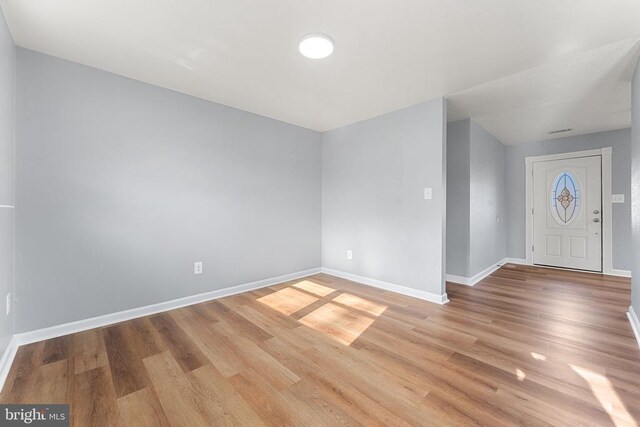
<point x="617" y="198"/>
<point x="349" y="254"/>
<point x="428" y="193"/>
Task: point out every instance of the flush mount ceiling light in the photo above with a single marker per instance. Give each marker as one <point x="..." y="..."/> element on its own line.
<point x="316" y="46"/>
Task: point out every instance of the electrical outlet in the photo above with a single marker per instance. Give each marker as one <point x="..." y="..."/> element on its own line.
<point x="197" y="267"/>
<point x="428" y="193"/>
<point x="8" y="303"/>
<point x="349" y="254"/>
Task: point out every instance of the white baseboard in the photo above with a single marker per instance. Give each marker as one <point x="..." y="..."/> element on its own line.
<point x="108" y="319"/>
<point x="7" y="359"/>
<point x="518" y="261"/>
<point x="460" y="280"/>
<point x="427" y="296"/>
<point x="620" y="273"/>
<point x="635" y="323"/>
<point x="121" y="316"/>
<point x="470" y="281"/>
<point x="613" y="272"/>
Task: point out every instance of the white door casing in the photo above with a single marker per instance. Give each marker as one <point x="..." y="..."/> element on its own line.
<point x="606" y="212"/>
<point x="567" y="213"/>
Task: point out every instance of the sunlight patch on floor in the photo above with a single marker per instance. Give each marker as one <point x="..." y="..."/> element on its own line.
<point x="361" y="304"/>
<point x="288" y="300"/>
<point x="603" y="391"/>
<point x="337" y="322"/>
<point x="343" y="318"/>
<point x="314" y="288"/>
<point x="539" y="356"/>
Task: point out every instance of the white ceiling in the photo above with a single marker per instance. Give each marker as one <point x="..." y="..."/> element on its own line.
<point x="588" y="91"/>
<point x="389" y="54"/>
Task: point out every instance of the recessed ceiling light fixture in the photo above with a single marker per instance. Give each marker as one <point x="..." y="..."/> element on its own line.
<point x="316" y="46"/>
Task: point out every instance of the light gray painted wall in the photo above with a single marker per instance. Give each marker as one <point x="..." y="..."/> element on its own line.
<point x="476" y="197"/>
<point x="458" y="197"/>
<point x="7" y="109"/>
<point x="374" y="175"/>
<point x="121" y="186"/>
<point x="488" y="205"/>
<point x="619" y="140"/>
<point x="635" y="179"/>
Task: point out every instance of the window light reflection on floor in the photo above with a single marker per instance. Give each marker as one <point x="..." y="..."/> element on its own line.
<point x="288" y="300"/>
<point x="603" y="390"/>
<point x="343" y="318"/>
<point x="314" y="288"/>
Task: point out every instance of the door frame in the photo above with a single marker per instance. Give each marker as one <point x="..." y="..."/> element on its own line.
<point x="607" y="226"/>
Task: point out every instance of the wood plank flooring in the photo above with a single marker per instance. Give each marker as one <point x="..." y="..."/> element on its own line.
<point x="526" y="346"/>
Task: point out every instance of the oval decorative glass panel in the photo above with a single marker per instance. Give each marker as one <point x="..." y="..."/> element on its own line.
<point x="565" y="199"/>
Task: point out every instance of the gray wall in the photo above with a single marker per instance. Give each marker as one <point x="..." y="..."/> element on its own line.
<point x="619" y="140"/>
<point x="488" y="231"/>
<point x="374" y="175"/>
<point x="635" y="179"/>
<point x="476" y="199"/>
<point x="121" y="186"/>
<point x="7" y="107"/>
<point x="458" y="197"/>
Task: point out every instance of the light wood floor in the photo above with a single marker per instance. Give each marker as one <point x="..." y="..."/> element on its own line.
<point x="527" y="346"/>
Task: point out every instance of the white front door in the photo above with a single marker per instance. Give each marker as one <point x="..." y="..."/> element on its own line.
<point x="567" y="213"/>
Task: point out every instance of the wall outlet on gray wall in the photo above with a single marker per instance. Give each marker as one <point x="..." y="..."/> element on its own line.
<point x="428" y="193"/>
<point x="197" y="267"/>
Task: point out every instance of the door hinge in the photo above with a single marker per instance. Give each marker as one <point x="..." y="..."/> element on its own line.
<point x="531" y="211"/>
<point x="532" y="248"/>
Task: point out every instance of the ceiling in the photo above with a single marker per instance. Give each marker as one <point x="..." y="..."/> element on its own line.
<point x="389" y="54"/>
<point x="588" y="92"/>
